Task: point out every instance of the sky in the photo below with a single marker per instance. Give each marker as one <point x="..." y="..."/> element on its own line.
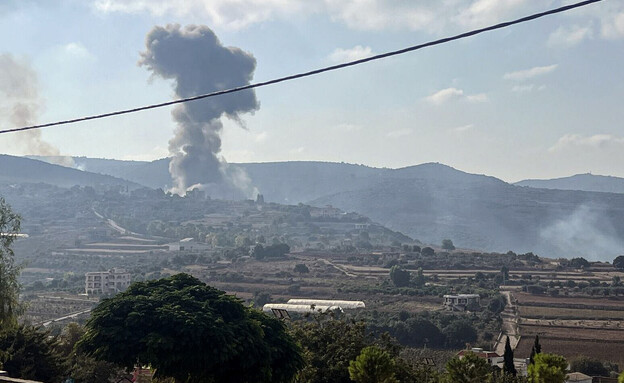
<point x="538" y="100"/>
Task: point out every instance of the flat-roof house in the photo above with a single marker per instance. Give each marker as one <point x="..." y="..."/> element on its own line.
<point x="461" y="301"/>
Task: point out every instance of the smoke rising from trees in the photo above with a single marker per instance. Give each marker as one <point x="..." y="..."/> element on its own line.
<point x="197" y="62"/>
<point x="21" y="104"/>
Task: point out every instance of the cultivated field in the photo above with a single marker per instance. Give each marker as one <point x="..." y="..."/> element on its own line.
<point x="572" y="326"/>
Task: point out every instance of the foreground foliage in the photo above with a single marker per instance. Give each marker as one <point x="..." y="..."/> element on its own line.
<point x="191" y="332"/>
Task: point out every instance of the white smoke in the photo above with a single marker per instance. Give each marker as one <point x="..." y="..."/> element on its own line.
<point x="587" y="232"/>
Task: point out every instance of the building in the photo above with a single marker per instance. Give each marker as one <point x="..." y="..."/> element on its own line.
<point x="492" y="357"/>
<point x="188" y="245"/>
<point x="461" y="302"/>
<point x="578" y="377"/>
<point x="106" y="282"/>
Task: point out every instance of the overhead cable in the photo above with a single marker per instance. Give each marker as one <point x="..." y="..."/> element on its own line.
<point x="312" y="72"/>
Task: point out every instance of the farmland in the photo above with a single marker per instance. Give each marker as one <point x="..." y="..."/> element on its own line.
<point x="572" y="325"/>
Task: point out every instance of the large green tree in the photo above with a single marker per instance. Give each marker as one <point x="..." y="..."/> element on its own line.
<point x="399" y="276"/>
<point x="469" y="369"/>
<point x="191" y="332"/>
<point x="373" y="365"/>
<point x="9" y="270"/>
<point x="27" y="353"/>
<point x="548" y="368"/>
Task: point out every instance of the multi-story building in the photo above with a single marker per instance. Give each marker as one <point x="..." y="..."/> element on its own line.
<point x="106" y="282"/>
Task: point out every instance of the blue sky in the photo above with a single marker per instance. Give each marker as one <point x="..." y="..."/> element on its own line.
<point x="538" y="100"/>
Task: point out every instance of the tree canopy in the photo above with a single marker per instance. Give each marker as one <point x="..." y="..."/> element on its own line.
<point x="191" y="332"/>
<point x="9" y="271"/>
<point x="373" y="365"/>
<point x="548" y="368"/>
<point x="399" y="276"/>
<point x="470" y="369"/>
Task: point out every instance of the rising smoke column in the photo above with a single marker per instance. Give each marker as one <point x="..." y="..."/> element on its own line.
<point x="20" y="105"/>
<point x="197" y="62"/>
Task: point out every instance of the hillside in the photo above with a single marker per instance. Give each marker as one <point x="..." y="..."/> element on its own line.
<point x="432" y="202"/>
<point x="585" y="182"/>
<point x="25" y="170"/>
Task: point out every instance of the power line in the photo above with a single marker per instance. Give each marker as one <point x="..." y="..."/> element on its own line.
<point x="313" y="72"/>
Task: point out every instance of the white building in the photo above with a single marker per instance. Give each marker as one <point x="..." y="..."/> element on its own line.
<point x="461" y="301"/>
<point x="187" y="244"/>
<point x="299" y="308"/>
<point x="106" y="282"/>
<point x="326" y="302"/>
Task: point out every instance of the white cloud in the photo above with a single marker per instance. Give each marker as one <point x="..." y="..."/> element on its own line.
<point x="340" y="55"/>
<point x="77" y="50"/>
<point x="223" y="13"/>
<point x="613" y="26"/>
<point x="431" y="16"/>
<point x="569" y="36"/>
<point x="399" y="133"/>
<point x="597" y="141"/>
<point x="462" y="129"/>
<point x="479" y="97"/>
<point x="450" y="94"/>
<point x="484" y="12"/>
<point x="526" y="88"/>
<point x="526" y="74"/>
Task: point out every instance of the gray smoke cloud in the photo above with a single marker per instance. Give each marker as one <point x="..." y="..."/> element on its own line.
<point x="21" y="104"/>
<point x="197" y="62"/>
<point x="587" y="232"/>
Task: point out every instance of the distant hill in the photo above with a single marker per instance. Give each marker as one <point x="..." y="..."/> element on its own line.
<point x="25" y="170"/>
<point x="585" y="182"/>
<point x="432" y="202"/>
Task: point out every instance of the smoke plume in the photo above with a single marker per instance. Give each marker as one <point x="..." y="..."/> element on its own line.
<point x="587" y="232"/>
<point x="21" y="105"/>
<point x="197" y="62"/>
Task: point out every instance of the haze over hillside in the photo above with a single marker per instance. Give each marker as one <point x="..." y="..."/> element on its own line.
<point x="432" y="202"/>
<point x="19" y="169"/>
<point x="586" y="182"/>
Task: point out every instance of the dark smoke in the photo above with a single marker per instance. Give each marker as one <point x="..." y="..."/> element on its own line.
<point x="195" y="59"/>
<point x="21" y="104"/>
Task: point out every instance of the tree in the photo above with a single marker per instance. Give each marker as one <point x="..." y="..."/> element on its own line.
<point x="621" y="378"/>
<point x="536" y="345"/>
<point x="373" y="365"/>
<point x="589" y="366"/>
<point x="469" y="369"/>
<point x="420" y="278"/>
<point x="301" y="268"/>
<point x="191" y="332"/>
<point x="9" y="271"/>
<point x="579" y="263"/>
<point x="427" y="251"/>
<point x="83" y="369"/>
<point x="30" y="354"/>
<point x="459" y="332"/>
<point x="328" y="348"/>
<point x="508" y="365"/>
<point x="618" y="262"/>
<point x="447" y="244"/>
<point x="399" y="276"/>
<point x="548" y="368"/>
